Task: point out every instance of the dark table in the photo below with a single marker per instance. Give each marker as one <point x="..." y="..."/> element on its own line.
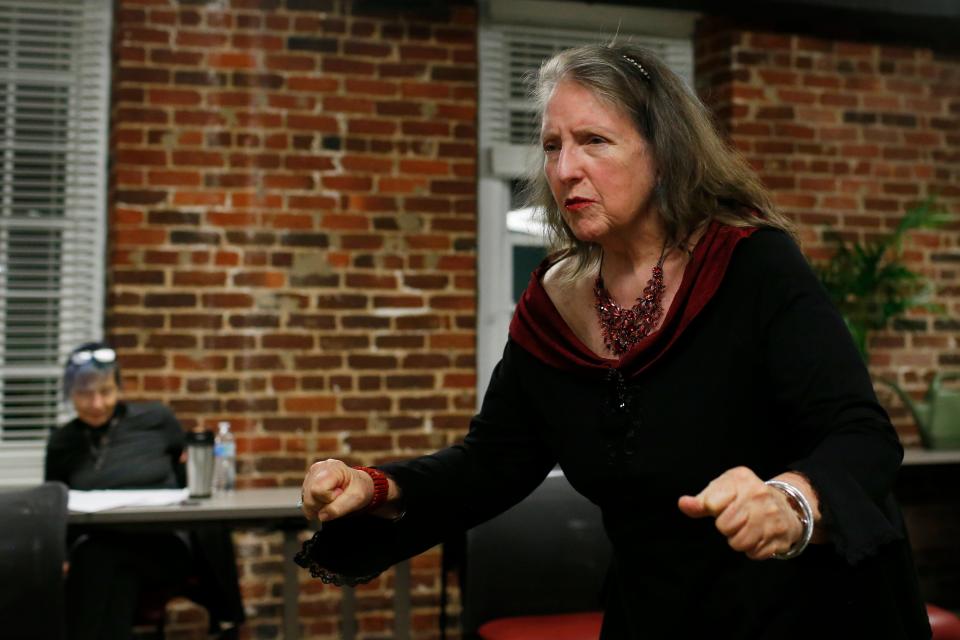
<point x="273" y="508"/>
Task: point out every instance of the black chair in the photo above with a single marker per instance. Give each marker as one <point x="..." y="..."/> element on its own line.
<point x="537" y="570"/>
<point x="33" y="546"/>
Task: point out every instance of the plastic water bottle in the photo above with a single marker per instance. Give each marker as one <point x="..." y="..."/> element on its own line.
<point x="225" y="459"/>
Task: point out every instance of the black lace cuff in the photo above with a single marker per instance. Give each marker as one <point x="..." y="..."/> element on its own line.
<point x="305" y="558"/>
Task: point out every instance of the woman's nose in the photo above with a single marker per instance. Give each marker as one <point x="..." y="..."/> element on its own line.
<point x="569" y="166"/>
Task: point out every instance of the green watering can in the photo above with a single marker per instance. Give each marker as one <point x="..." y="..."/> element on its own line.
<point x="939" y="415"/>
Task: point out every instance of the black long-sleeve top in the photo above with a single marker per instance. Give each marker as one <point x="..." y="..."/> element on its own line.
<point x="766" y="376"/>
<point x="139" y="448"/>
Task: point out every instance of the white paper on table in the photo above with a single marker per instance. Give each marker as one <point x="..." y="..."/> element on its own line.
<point x="92" y="501"/>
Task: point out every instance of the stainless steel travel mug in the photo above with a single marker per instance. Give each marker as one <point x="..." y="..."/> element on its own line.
<point x="200" y="463"/>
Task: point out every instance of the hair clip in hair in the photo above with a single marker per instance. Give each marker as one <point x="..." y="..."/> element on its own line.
<point x="639" y="67"/>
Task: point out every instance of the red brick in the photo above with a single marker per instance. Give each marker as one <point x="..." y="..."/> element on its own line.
<point x="227" y="300"/>
<point x="139" y="236"/>
<point x="309" y="163"/>
<point x="232" y="60"/>
<point x="142" y="157"/>
<point x="455" y="150"/>
<point x="860" y="151"/>
<point x="127" y="320"/>
<point x="366" y="49"/>
<point x="347" y="66"/>
<point x="287" y="221"/>
<point x="342" y="424"/>
<point x="277" y="181"/>
<point x="371" y="203"/>
<point x="255" y="160"/>
<point x="839" y="100"/>
<point x="198" y="198"/>
<point x="196" y="321"/>
<point x="199" y="278"/>
<point x="254" y="320"/>
<point x="256" y="41"/>
<point x="200" y="39"/>
<point x="402" y="185"/>
<point x="289" y="63"/>
<point x="455" y="263"/>
<point x="231" y="219"/>
<point x="198" y="158"/>
<point x="173" y="97"/>
<point x="252" y="119"/>
<point x="128" y="216"/>
<point x="360" y="86"/>
<point x="428" y="167"/>
<point x="174" y="178"/>
<point x="882" y="102"/>
<point x="370" y="443"/>
<point x="269" y="279"/>
<point x="367" y="163"/>
<point x="425" y="128"/>
<point x="427" y="403"/>
<point x="320" y="124"/>
<point x="437" y="90"/>
<point x="313" y="84"/>
<point x="371" y="126"/>
<point x="309" y="404"/>
<point x="348" y="183"/>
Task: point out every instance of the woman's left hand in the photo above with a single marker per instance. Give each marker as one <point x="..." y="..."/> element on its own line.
<point x="755" y="518"/>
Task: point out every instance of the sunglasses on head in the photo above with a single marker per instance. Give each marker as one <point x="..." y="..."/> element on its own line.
<point x="104" y="355"/>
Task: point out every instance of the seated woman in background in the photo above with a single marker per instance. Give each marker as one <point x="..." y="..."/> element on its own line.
<point x="112" y="444"/>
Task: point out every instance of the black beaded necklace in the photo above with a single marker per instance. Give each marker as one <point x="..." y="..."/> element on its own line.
<point x="99" y="446"/>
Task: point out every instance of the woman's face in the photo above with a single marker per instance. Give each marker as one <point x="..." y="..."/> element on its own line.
<point x="95" y="399"/>
<point x="599" y="167"/>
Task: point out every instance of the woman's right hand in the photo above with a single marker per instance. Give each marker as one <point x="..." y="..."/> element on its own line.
<point x="332" y="490"/>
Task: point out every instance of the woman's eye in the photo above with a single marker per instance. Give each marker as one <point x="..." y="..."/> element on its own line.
<point x="549" y="146"/>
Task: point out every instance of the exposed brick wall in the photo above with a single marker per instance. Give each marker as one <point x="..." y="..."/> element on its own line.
<point x="292" y="245"/>
<point x="849" y="135"/>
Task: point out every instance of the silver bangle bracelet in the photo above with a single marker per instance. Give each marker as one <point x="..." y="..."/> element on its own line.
<point x="796" y="497"/>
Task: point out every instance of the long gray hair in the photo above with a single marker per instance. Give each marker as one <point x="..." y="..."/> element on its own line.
<point x="700" y="177"/>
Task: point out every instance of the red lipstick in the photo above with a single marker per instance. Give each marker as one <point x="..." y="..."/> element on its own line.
<point x="576" y="203"/>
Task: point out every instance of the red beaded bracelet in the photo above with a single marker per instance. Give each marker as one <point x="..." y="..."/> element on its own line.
<point x="380" y="486"/>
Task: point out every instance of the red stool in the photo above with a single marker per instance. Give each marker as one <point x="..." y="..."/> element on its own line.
<point x="563" y="626"/>
<point x="945" y="624"/>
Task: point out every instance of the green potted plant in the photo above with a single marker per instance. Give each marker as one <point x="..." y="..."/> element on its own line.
<point x="868" y="281"/>
<point x="870" y="285"/>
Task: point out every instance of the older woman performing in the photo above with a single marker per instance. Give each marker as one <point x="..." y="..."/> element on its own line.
<point x="677" y="357"/>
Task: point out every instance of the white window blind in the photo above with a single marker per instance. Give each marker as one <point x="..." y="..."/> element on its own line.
<point x="511" y="54"/>
<point x="54" y="92"/>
